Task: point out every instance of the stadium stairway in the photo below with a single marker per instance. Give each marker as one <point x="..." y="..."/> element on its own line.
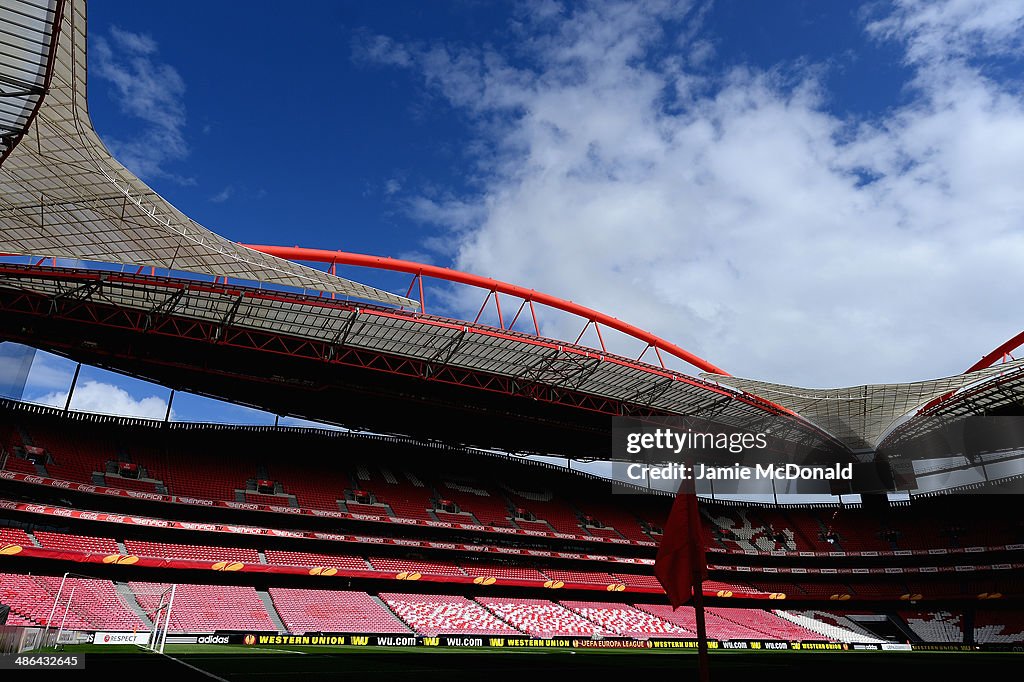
<point x="387" y="607"/>
<point x="121" y="548"/>
<point x="125" y="590"/>
<point x="262" y="555"/>
<point x="268" y="603"/>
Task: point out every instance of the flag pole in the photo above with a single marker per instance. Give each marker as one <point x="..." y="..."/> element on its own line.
<point x="696" y="540"/>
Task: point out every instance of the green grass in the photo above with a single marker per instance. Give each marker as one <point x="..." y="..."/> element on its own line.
<point x="240" y="663"/>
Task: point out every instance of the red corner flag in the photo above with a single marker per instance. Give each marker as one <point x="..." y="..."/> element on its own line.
<point x="681" y="564"/>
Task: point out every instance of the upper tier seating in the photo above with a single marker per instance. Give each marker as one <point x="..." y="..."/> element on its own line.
<point x="78" y="543"/>
<point x="278" y="557"/>
<point x="488" y="506"/>
<point x="428" y="567"/>
<point x="165" y="550"/>
<point x="14" y="536"/>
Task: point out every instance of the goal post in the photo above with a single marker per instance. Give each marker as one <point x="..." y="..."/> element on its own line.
<point x="160" y="615"/>
<point x="139" y="611"/>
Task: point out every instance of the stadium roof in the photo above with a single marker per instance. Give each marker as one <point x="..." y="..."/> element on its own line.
<point x="428" y="351"/>
<point x="859" y="416"/>
<point x="63" y="195"/>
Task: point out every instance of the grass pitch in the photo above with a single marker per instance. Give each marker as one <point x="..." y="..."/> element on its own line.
<point x="313" y="663"/>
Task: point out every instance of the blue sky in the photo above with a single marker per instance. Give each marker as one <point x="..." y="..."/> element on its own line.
<point x="804" y="192"/>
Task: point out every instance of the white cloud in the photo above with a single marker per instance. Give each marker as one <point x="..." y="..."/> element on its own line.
<point x="49" y="373"/>
<point x="96" y="396"/>
<point x="150" y="91"/>
<point x="732" y="212"/>
<point x="953" y="28"/>
<point x="223" y="195"/>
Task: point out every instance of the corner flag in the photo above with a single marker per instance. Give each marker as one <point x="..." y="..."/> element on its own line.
<point x="681" y="565"/>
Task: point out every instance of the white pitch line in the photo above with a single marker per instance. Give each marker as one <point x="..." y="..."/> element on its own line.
<point x="188" y="665"/>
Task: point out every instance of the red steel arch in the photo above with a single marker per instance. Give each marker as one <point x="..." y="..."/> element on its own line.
<point x="493" y="286"/>
<point x="999" y="353"/>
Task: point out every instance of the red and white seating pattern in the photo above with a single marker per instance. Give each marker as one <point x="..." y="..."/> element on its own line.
<point x="936" y="626"/>
<point x="541" y="618"/>
<point x="834" y="627"/>
<point x="725" y="623"/>
<point x="625" y="621"/>
<point x="445" y="615"/>
<point x="765" y="623"/>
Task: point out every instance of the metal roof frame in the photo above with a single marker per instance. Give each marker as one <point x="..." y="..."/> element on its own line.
<point x="63" y="195"/>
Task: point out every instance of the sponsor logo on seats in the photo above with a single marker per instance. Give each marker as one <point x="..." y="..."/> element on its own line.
<point x="228" y="566"/>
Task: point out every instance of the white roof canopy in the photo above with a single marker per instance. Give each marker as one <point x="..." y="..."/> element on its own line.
<point x="63" y="195"/>
<point x="860" y="416"/>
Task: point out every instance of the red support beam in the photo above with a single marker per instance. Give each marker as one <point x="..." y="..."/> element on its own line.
<point x="492" y="285"/>
<point x="999" y="353"/>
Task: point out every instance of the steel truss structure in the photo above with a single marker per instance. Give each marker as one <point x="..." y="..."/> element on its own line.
<point x="63" y="195"/>
<point x="118" y="318"/>
<point x="386" y="364"/>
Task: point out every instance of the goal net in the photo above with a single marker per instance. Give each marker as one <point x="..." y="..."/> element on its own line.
<point x="120" y="613"/>
<point x="157" y="602"/>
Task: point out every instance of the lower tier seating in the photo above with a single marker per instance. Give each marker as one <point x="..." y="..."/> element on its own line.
<point x="328" y="611"/>
<point x="205" y="608"/>
<point x="445" y="615"/>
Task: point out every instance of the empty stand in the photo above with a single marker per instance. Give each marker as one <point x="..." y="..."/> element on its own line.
<point x="289" y="558"/>
<point x="206" y="608"/>
<point x="167" y="550"/>
<point x="333" y="611"/>
<point x="488" y="506"/>
<point x="498" y="570"/>
<point x="445" y="615"/>
<point x="94" y="604"/>
<point x="78" y="543"/>
<point x="998" y="627"/>
<point x="832" y="626"/>
<point x="935" y="626"/>
<point x="402" y="565"/>
<point x="593" y="577"/>
<point x="626" y="621"/>
<point x="541" y="618"/>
